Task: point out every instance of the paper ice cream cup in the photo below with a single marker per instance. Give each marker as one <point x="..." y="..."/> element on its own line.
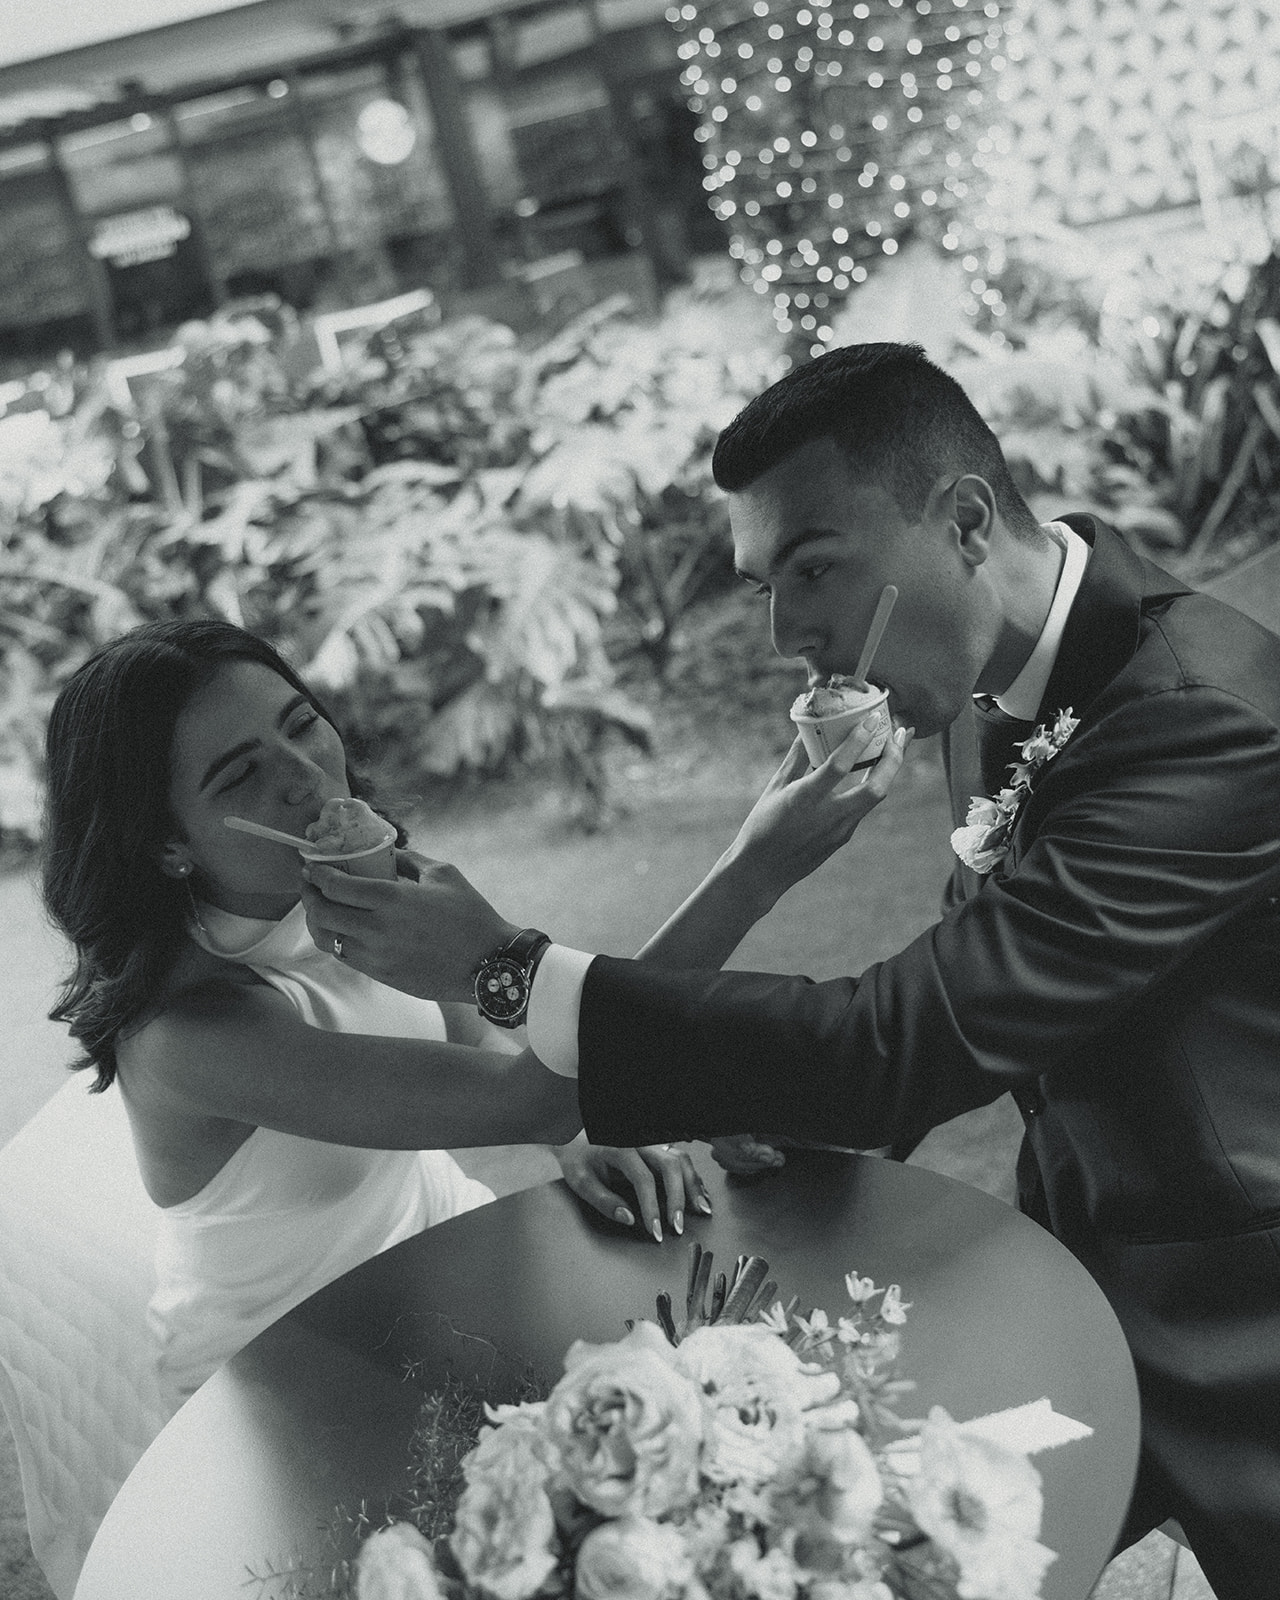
<point x="374" y="861"/>
<point x="822" y="735"/>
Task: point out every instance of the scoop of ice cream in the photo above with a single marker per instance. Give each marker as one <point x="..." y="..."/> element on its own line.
<point x="834" y="697"/>
<point x="347" y="825"/>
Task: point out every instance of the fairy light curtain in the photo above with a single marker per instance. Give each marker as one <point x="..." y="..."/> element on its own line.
<point x="833" y="130"/>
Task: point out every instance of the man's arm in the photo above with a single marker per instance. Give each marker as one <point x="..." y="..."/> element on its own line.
<point x="1148" y="834"/>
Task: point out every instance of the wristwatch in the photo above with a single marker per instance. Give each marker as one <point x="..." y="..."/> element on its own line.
<point x="504" y="979"/>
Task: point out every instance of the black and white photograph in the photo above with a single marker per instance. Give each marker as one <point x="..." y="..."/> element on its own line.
<point x="640" y="800"/>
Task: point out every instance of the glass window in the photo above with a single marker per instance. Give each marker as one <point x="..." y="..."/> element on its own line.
<point x="257" y="192"/>
<point x="375" y="140"/>
<point x="121" y="166"/>
<point x="128" y="184"/>
<point x="43" y="295"/>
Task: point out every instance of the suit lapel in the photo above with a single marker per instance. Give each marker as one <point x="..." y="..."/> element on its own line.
<point x="1100" y="638"/>
<point x="1103" y="629"/>
<point x="1102" y="632"/>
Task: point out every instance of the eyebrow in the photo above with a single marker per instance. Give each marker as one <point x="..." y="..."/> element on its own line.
<point x="797" y="540"/>
<point x="243" y="748"/>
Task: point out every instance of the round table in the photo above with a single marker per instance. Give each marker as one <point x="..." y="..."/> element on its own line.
<point x="240" y="1494"/>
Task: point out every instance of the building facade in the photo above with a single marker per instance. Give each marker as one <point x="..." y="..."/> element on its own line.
<point x="456" y="144"/>
<point x="145" y="181"/>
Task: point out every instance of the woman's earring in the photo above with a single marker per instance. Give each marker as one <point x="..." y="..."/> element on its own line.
<point x="195" y="908"/>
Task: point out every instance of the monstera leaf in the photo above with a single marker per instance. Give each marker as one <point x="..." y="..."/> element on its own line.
<point x="551" y="605"/>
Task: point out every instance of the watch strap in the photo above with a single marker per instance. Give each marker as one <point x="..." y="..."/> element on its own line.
<point x="524" y="948"/>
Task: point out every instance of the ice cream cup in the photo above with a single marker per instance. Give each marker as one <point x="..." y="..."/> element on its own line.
<point x="374" y="861"/>
<point x="822" y="735"/>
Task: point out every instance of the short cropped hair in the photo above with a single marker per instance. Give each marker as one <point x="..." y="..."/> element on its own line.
<point x="901" y="421"/>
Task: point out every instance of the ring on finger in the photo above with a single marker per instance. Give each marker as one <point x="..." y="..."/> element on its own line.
<point x="337" y="946"/>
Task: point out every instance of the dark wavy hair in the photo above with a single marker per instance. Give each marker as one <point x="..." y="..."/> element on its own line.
<point x="898" y="418"/>
<point x="108" y="816"/>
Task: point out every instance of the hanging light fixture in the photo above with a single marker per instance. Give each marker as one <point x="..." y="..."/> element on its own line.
<point x="385" y="132"/>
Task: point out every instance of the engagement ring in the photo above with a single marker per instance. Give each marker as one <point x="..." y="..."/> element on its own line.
<point x="337" y="947"/>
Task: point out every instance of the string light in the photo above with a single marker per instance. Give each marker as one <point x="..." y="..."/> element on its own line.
<point x="842" y="130"/>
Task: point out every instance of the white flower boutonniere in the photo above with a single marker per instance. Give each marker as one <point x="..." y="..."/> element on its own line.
<point x="984" y="840"/>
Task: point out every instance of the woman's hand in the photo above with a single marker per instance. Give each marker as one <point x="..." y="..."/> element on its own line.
<point x="799" y="820"/>
<point x="803" y="817"/>
<point x="593" y="1170"/>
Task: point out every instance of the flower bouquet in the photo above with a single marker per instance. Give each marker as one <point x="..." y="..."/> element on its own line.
<point x="739" y="1452"/>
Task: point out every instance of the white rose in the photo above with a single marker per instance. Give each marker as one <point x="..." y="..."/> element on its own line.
<point x="982" y="813"/>
<point x="755" y="1390"/>
<point x="396" y="1564"/>
<point x="627" y="1425"/>
<point x="631" y="1558"/>
<point x="969" y="844"/>
<point x="504" y="1529"/>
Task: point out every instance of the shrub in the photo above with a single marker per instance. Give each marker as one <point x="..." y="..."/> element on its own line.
<point x="449" y="540"/>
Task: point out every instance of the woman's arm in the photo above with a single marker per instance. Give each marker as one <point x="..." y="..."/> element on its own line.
<point x="240" y="1052"/>
<point x="800" y="819"/>
<point x="617" y="1182"/>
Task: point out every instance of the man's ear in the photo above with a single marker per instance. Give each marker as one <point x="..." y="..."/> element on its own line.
<point x="970" y="509"/>
<point x="175" y="860"/>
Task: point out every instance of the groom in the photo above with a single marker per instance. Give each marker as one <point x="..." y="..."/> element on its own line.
<point x="1115" y="963"/>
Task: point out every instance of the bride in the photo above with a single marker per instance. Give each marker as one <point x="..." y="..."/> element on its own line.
<point x="291" y="1117"/>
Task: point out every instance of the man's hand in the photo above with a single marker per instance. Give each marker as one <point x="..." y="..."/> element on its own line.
<point x="745" y="1155"/>
<point x="592" y="1171"/>
<point x="425" y="933"/>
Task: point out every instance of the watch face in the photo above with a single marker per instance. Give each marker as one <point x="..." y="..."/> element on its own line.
<point x="501" y="990"/>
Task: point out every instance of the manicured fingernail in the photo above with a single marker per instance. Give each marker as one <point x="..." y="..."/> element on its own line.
<point x="623" y="1216"/>
<point x="900" y="737"/>
<point x="656" y="1230"/>
<point x="703" y="1203"/>
<point x="677" y="1222"/>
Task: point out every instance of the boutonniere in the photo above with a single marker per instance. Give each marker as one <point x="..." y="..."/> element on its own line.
<point x="984" y="840"/>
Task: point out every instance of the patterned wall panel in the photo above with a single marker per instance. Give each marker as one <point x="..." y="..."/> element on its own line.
<point x="1118" y="107"/>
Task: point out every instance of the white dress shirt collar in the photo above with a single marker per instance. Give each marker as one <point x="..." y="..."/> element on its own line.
<point x="1023" y="696"/>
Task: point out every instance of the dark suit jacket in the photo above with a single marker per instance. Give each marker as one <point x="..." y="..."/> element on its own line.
<point x="1119" y="973"/>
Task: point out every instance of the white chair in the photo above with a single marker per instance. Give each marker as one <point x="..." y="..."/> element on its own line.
<point x="77" y="1383"/>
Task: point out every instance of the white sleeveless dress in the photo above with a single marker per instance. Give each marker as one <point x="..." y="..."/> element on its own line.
<point x="286" y="1215"/>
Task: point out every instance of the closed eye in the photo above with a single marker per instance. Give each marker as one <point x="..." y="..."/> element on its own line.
<point x="302" y="724"/>
<point x="239" y="778"/>
<point x="811" y="574"/>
